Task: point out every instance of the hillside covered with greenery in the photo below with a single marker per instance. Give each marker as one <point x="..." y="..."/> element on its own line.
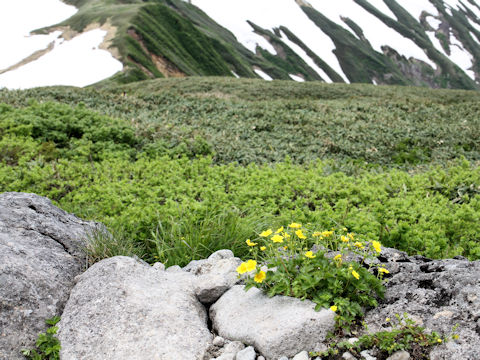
<point x="179" y="168"/>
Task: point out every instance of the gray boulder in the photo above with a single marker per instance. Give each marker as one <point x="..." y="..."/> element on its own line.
<point x="437" y="295"/>
<point x="40" y="254"/>
<point x="123" y="309"/>
<point x="274" y="326"/>
<point x="215" y="275"/>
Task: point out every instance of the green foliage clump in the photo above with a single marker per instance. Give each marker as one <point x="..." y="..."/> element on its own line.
<point x="404" y="334"/>
<point x="47" y="345"/>
<point x="335" y="275"/>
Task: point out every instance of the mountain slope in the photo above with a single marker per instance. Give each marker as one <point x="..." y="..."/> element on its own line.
<point x="433" y="43"/>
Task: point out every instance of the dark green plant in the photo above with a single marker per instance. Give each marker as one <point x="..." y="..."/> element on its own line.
<point x="47" y="345"/>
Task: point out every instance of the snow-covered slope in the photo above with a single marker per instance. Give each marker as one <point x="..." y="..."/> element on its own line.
<point x="40" y="60"/>
<point x="271" y="14"/>
<point x="408" y="42"/>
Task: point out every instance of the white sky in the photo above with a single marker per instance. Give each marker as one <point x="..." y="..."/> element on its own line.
<point x="77" y="62"/>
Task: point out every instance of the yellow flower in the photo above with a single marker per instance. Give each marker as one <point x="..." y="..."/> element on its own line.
<point x="333" y="308"/>
<point x="316" y="234"/>
<point x="242" y="269"/>
<point x="327" y="233"/>
<point x="250" y="243"/>
<point x="338" y="257"/>
<point x="344" y="229"/>
<point x="350" y="235"/>
<point x="355" y="274"/>
<point x="263" y="248"/>
<point x="277" y="238"/>
<point x="359" y="245"/>
<point x="344" y="239"/>
<point x="260" y="276"/>
<point x="300" y="235"/>
<point x="251" y="265"/>
<point x="439" y="340"/>
<point x="295" y="225"/>
<point x="455" y="336"/>
<point x="309" y="254"/>
<point x="383" y="271"/>
<point x="377" y="246"/>
<point x="287" y="235"/>
<point x="279" y="230"/>
<point x="387" y="319"/>
<point x="266" y="233"/>
<point x="285" y="247"/>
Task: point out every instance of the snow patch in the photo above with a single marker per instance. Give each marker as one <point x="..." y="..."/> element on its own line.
<point x="15" y="38"/>
<point x="374" y="29"/>
<point x="433" y="22"/>
<point x="460" y="56"/>
<point x="235" y="74"/>
<point x="416" y="7"/>
<point x="78" y="62"/>
<point x="473" y="9"/>
<point x="263" y="75"/>
<point x="296" y="78"/>
<point x="300" y="52"/>
<point x="269" y="14"/>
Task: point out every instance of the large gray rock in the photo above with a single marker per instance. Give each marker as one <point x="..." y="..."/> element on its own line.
<point x="40" y="254"/>
<point x="274" y="326"/>
<point x="436" y="294"/>
<point x="123" y="309"/>
<point x="215" y="275"/>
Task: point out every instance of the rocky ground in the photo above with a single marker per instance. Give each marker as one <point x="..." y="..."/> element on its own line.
<point x="122" y="308"/>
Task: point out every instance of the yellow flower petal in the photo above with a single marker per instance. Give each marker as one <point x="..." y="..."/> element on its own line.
<point x="334" y="308"/>
<point x="383" y="271"/>
<point x="263" y="248"/>
<point x="295" y="225"/>
<point x="277" y="238"/>
<point x="355" y="274"/>
<point x="250" y="243"/>
<point x="251" y="265"/>
<point x="242" y="269"/>
<point x="260" y="276"/>
<point x="266" y="233"/>
<point x="377" y="246"/>
<point x="338" y="257"/>
<point x="300" y="235"/>
<point x="309" y="254"/>
<point x="316" y="234"/>
<point x="359" y="245"/>
<point x="279" y="230"/>
<point x="344" y="239"/>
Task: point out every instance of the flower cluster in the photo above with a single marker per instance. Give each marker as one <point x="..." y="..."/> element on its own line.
<point x="314" y="265"/>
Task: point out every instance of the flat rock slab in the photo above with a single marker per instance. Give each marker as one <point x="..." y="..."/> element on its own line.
<point x="124" y="309"/>
<point x="277" y="326"/>
<point x="40" y="254"/>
